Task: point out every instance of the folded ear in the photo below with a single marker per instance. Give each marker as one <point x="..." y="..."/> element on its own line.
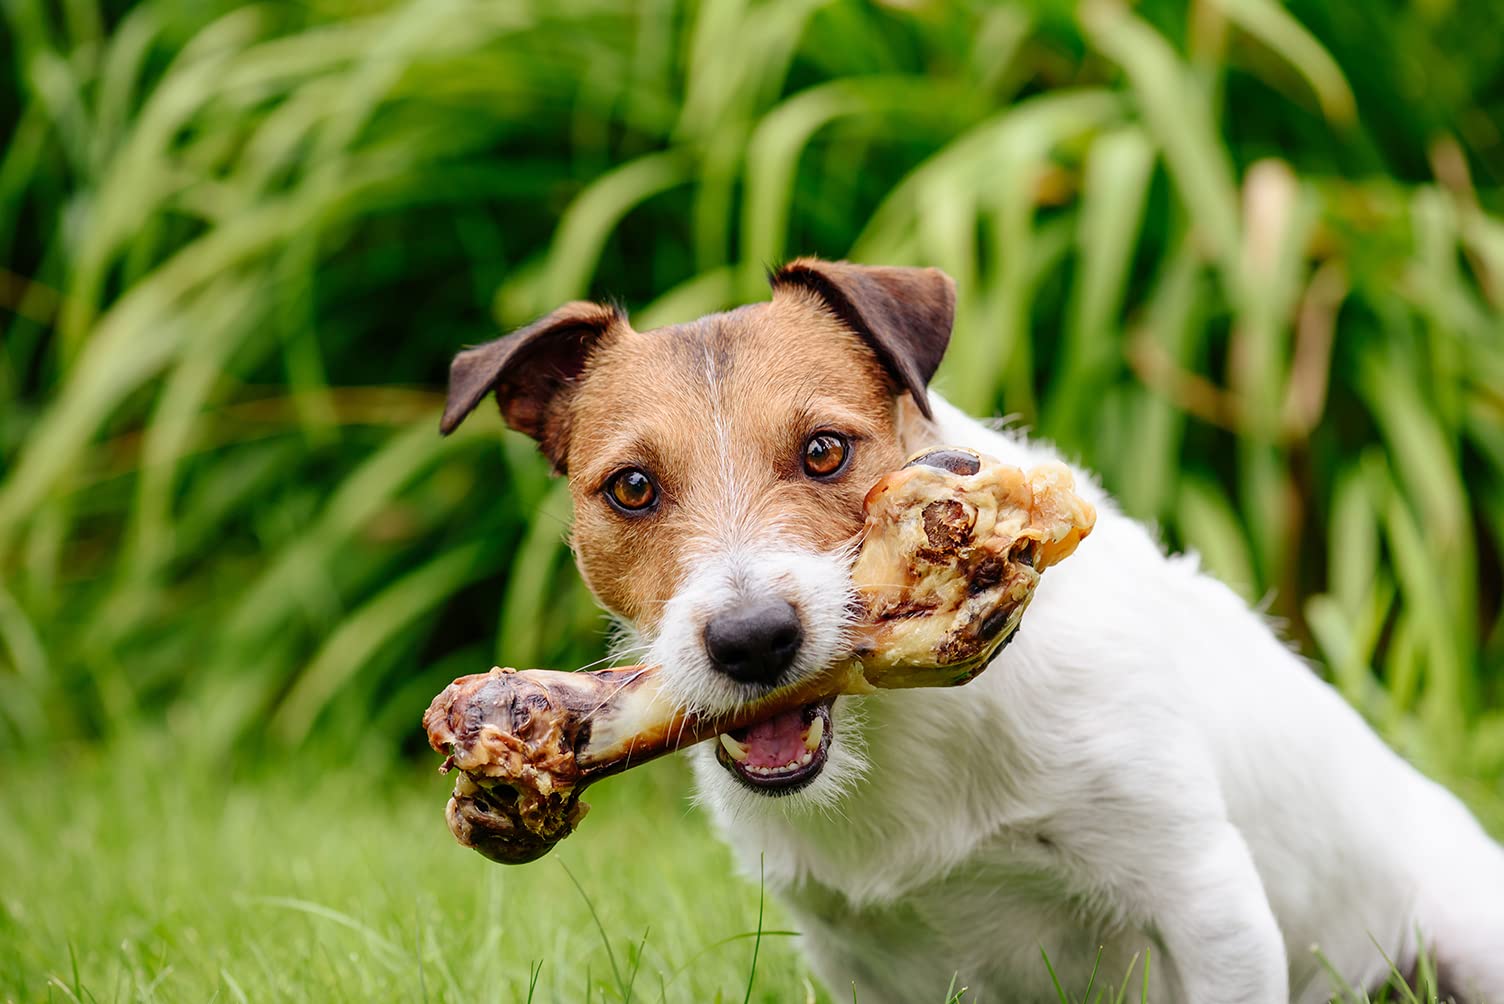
<point x="530" y="370"/>
<point x="905" y="314"/>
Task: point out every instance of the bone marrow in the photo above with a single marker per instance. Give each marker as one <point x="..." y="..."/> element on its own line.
<point x="950" y="562"/>
<point x="953" y="547"/>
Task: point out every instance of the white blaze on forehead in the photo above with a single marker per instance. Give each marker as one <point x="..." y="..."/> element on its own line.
<point x="715" y="391"/>
<point x="734" y="515"/>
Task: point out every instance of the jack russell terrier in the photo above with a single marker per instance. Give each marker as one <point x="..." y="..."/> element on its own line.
<point x="1148" y="771"/>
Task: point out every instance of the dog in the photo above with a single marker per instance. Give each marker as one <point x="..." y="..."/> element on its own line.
<point x="1145" y="776"/>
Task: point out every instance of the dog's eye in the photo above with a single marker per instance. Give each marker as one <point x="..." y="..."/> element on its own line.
<point x="825" y="454"/>
<point x="631" y="490"/>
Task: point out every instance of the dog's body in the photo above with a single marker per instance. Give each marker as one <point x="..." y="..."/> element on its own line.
<point x="1145" y="770"/>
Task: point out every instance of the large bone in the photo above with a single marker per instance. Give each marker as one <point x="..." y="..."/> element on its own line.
<point x="952" y="550"/>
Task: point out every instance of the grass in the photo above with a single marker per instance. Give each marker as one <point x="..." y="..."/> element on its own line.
<point x="145" y="875"/>
<point x="140" y="877"/>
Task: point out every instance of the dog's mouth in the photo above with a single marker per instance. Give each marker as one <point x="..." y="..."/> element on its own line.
<point x="782" y="754"/>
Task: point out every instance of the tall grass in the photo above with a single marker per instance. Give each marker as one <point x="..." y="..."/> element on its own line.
<point x="1220" y="252"/>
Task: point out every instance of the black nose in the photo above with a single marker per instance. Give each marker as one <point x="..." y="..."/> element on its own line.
<point x="756" y="642"/>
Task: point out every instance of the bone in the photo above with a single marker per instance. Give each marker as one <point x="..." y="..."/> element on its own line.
<point x="950" y="560"/>
<point x="952" y="550"/>
<point x="528" y="742"/>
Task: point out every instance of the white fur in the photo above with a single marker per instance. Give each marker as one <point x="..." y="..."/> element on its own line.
<point x="1146" y="768"/>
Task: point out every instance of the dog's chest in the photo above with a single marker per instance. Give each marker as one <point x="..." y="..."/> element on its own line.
<point x="986" y="926"/>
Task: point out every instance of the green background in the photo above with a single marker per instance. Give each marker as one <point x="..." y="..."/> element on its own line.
<point x="1243" y="259"/>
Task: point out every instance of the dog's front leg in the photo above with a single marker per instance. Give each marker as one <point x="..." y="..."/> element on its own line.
<point x="1208" y="909"/>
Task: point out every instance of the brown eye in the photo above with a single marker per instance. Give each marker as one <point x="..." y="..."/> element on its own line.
<point x="631" y="490"/>
<point x="825" y="454"/>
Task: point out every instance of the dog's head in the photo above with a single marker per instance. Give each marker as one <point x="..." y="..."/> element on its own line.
<point x="718" y="470"/>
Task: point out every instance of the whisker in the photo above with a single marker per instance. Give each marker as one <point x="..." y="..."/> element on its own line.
<point x="679" y="739"/>
<point x="608" y="698"/>
<point x="608" y="657"/>
<point x="540" y="511"/>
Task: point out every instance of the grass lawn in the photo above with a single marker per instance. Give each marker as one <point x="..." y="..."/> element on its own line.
<point x="144" y="876"/>
<point x="136" y="874"/>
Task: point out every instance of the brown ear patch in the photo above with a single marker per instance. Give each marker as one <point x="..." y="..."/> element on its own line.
<point x="904" y="314"/>
<point x="529" y="370"/>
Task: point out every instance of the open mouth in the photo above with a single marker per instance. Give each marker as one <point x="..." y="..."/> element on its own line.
<point x="782" y="754"/>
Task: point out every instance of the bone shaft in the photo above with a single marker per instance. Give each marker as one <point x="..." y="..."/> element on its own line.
<point x="634" y="721"/>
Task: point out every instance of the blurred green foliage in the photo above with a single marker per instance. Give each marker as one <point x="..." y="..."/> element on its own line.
<point x="1240" y="258"/>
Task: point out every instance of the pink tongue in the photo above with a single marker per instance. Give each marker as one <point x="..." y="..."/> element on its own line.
<point x="777" y="742"/>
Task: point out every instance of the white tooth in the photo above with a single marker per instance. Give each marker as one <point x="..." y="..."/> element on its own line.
<point x="816" y="731"/>
<point x="737" y="750"/>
